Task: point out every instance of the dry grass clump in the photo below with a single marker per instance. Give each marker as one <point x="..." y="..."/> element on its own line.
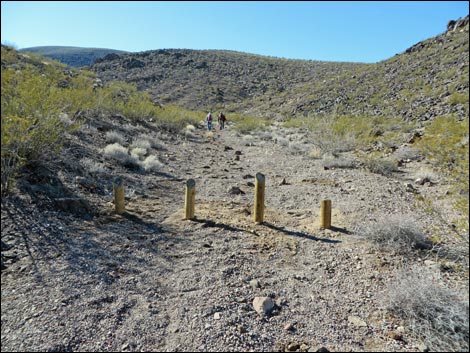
<point x="139" y="152"/>
<point x="115" y="137"/>
<point x="398" y="233"/>
<point x="338" y="163"/>
<point x="380" y="166"/>
<point x="151" y="163"/>
<point x="93" y="167"/>
<point x="436" y="315"/>
<point x="121" y="154"/>
<point x="142" y="143"/>
<point x="315" y="153"/>
<point x="134" y="158"/>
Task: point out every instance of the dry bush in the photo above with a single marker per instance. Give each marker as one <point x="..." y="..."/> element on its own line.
<point x="151" y="163"/>
<point x="315" y="153"/>
<point x="282" y="141"/>
<point x="152" y="140"/>
<point x="142" y="143"/>
<point x="92" y="167"/>
<point x="248" y="140"/>
<point x="120" y="153"/>
<point x="139" y="152"/>
<point x="115" y="137"/>
<point x="339" y="163"/>
<point x="436" y="315"/>
<point x="380" y="166"/>
<point x="296" y="148"/>
<point x="398" y="233"/>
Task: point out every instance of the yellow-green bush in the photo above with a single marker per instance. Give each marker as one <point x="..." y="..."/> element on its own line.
<point x="445" y="144"/>
<point x="37" y="92"/>
<point x="175" y="119"/>
<point x="245" y="124"/>
<point x="31" y="113"/>
<point x="335" y="134"/>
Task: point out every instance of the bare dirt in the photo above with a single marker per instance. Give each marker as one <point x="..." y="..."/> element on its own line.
<point x="148" y="280"/>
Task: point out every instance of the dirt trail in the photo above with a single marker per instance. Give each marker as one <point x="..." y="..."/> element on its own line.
<point x="151" y="281"/>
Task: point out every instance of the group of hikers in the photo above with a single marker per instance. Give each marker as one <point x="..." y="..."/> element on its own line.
<point x="220" y="119"/>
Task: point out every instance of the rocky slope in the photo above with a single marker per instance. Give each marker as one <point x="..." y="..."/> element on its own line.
<point x="426" y="80"/>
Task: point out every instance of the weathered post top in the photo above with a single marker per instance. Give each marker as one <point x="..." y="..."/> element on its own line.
<point x="190" y="183"/>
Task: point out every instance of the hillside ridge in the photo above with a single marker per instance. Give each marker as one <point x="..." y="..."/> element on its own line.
<point x="424" y="81"/>
<point x="72" y="56"/>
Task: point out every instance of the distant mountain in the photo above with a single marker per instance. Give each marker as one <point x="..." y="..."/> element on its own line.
<point x="73" y="56"/>
<point x="424" y="81"/>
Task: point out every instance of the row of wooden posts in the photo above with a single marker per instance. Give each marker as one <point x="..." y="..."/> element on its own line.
<point x="190" y="196"/>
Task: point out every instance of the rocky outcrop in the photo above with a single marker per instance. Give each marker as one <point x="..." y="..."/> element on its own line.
<point x="460" y="25"/>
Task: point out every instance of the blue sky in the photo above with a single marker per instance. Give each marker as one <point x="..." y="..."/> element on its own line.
<point x="329" y="31"/>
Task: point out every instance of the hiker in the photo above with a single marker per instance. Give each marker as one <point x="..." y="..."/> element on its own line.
<point x="221" y="119"/>
<point x="209" y="121"/>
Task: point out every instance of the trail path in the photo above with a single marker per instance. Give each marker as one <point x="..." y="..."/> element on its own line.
<point x="151" y="281"/>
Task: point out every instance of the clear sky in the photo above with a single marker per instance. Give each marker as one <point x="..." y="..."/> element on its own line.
<point x="357" y="31"/>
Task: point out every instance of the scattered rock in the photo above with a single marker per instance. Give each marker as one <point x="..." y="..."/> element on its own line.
<point x="235" y="190"/>
<point x="254" y="283"/>
<point x="263" y="305"/>
<point x="357" y="321"/>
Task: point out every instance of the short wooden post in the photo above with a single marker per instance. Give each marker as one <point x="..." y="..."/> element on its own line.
<point x="190" y="196"/>
<point x="325" y="213"/>
<point x="259" y="198"/>
<point x="118" y="188"/>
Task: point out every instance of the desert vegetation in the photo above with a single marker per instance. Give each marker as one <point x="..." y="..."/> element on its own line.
<point x="42" y="102"/>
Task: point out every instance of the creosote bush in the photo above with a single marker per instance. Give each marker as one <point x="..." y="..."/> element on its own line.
<point x="36" y="95"/>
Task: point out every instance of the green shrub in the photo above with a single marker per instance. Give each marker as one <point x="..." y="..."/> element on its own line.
<point x="175" y="119"/>
<point x="445" y="144"/>
<point x="246" y="124"/>
<point x="32" y="111"/>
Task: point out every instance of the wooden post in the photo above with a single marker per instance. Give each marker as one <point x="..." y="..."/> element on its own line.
<point x="118" y="188"/>
<point x="259" y="198"/>
<point x="325" y="214"/>
<point x="190" y="195"/>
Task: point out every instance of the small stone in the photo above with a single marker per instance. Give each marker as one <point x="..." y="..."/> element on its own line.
<point x="254" y="283"/>
<point x="263" y="305"/>
<point x="289" y="327"/>
<point x="322" y="349"/>
<point x="217" y="316"/>
<point x="395" y="336"/>
<point x="292" y="347"/>
<point x="357" y="321"/>
<point x="242" y="329"/>
<point x="423" y="347"/>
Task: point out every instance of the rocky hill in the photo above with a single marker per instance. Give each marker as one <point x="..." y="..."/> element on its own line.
<point x="426" y="80"/>
<point x="72" y="56"/>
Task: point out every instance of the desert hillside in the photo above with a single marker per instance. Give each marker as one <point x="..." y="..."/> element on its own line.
<point x="427" y="80"/>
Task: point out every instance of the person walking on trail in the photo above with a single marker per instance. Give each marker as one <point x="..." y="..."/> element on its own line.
<point x="209" y="121"/>
<point x="221" y="119"/>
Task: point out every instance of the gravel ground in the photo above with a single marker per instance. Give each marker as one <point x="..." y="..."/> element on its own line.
<point x="150" y="281"/>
